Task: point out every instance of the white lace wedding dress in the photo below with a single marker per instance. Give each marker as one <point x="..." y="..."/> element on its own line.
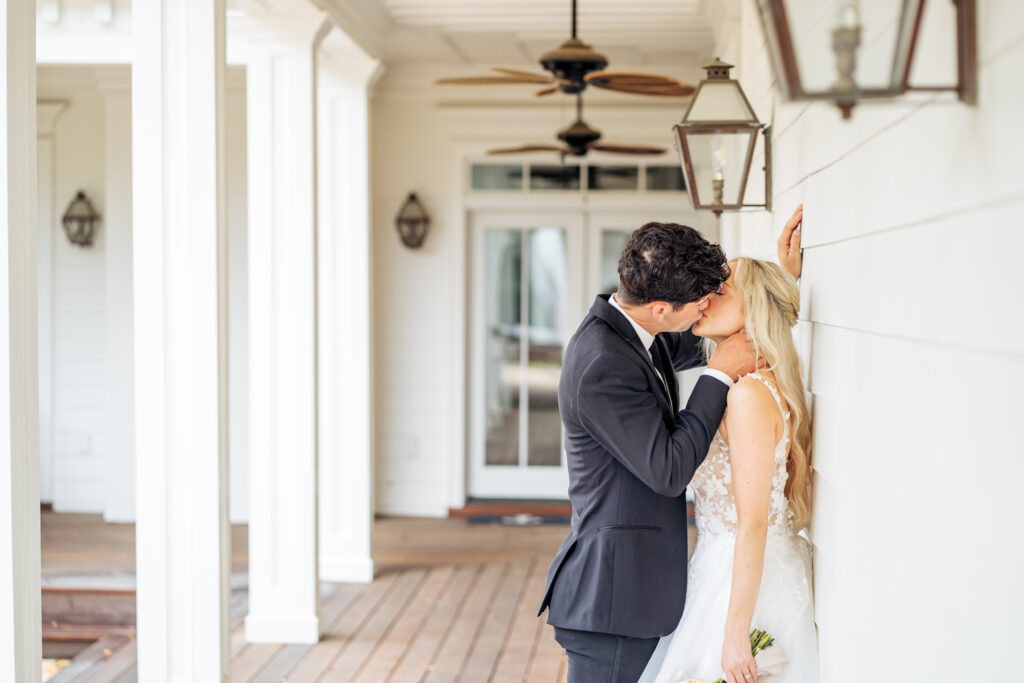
<point x="784" y="606"/>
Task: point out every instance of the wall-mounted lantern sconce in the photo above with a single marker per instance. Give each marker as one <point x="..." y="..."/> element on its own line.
<point x="412" y="222"/>
<point x="866" y="52"/>
<point x="716" y="141"/>
<point x="80" y="220"/>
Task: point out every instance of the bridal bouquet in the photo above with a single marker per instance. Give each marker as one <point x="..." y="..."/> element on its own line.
<point x="770" y="658"/>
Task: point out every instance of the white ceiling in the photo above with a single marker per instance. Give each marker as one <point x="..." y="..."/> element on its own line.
<point x="515" y="32"/>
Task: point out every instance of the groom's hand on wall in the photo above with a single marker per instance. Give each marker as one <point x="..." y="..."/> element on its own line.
<point x="790" y="256"/>
<point x="734" y="356"/>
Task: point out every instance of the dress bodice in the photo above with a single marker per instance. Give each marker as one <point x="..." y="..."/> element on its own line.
<point x="713" y="490"/>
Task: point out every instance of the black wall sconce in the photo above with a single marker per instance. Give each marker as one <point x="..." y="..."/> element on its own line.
<point x="800" y="46"/>
<point x="80" y="220"/>
<point x="412" y="222"/>
<point x="716" y="141"/>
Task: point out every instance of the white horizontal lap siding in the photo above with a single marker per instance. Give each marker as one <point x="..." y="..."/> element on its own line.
<point x="79" y="305"/>
<point x="912" y="342"/>
<point x="413" y="297"/>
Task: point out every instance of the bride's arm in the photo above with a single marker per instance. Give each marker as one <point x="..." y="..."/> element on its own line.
<point x="752" y="438"/>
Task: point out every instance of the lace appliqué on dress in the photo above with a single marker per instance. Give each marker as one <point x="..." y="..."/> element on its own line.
<point x="712" y="484"/>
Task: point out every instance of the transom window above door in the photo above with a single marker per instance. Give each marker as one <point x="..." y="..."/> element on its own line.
<point x="571" y="178"/>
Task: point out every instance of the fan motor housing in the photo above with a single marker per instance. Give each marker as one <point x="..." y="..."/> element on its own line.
<point x="578" y="137"/>
<point x="571" y="61"/>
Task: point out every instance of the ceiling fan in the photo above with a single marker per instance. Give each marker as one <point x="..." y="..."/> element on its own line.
<point x="574" y="66"/>
<point x="579" y="138"/>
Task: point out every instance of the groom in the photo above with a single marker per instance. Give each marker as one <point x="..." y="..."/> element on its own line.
<point x="618" y="582"/>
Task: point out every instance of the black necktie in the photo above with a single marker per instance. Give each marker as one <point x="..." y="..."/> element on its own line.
<point x="659" y="364"/>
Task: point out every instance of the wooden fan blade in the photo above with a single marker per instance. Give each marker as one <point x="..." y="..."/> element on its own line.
<point x="651" y="90"/>
<point x="627" y="149"/>
<point x="546" y="91"/>
<point x="526" y="148"/>
<point x="526" y="76"/>
<point x="630" y="78"/>
<point x="482" y="80"/>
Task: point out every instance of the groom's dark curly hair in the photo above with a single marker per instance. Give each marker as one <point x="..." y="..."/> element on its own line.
<point x="669" y="262"/>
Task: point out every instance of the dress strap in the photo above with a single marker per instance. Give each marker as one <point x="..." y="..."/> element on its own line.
<point x="775" y="395"/>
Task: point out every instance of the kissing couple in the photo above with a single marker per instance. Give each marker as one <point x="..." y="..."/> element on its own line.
<point x="619" y="595"/>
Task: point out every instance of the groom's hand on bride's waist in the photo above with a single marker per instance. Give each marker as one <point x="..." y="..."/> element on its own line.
<point x="734" y="356"/>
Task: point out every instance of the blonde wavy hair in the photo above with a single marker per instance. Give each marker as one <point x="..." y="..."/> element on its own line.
<point x="771" y="305"/>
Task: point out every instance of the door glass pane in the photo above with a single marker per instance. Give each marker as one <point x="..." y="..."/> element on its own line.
<point x="503" y="295"/>
<point x="665" y="178"/>
<point x="547" y="265"/>
<point x="554" y="177"/>
<point x="497" y="177"/>
<point x="612" y="244"/>
<point x="613" y="177"/>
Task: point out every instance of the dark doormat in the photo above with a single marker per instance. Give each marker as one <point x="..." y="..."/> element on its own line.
<point x="520" y="519"/>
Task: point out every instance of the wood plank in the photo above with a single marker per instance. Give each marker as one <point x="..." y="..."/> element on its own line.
<point x="433" y="632"/>
<point x="88" y="659"/>
<point x="251" y="660"/>
<point x="522" y="639"/>
<point x="405" y="630"/>
<point x="548" y="656"/>
<point x="323" y="653"/>
<point x="492" y="636"/>
<point x="237" y="639"/>
<point x="130" y="676"/>
<point x="122" y="660"/>
<point x="362" y="646"/>
<point x="282" y="664"/>
<point x="278" y="668"/>
<point x="451" y="658"/>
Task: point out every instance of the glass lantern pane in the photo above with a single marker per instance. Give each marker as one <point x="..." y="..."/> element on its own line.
<point x="812" y="24"/>
<point x="719" y="156"/>
<point x="720" y="101"/>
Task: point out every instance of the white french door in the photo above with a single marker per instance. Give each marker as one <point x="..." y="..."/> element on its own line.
<point x="534" y="277"/>
<point x="525" y="304"/>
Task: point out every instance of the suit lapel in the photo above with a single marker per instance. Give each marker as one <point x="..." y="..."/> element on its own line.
<point x="605" y="311"/>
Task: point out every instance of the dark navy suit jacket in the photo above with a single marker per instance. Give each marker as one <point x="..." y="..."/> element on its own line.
<point x="622" y="569"/>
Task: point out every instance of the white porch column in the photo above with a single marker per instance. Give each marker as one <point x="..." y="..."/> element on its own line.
<point x="48" y="221"/>
<point x="19" y="402"/>
<point x="345" y="444"/>
<point x="182" y="549"/>
<point x="282" y="337"/>
<point x="119" y="501"/>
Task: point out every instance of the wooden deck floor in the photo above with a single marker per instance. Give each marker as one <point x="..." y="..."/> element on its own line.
<point x="465" y="622"/>
<point x="452" y="601"/>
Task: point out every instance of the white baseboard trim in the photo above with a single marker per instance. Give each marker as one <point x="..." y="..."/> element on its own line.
<point x="346" y="570"/>
<point x="299" y="631"/>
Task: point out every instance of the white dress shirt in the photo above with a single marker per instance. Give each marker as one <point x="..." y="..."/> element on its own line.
<point x="646" y="338"/>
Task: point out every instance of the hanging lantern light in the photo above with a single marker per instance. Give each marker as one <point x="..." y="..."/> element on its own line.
<point x="412" y="222"/>
<point x="865" y="52"/>
<point x="716" y="141"/>
<point x="80" y="220"/>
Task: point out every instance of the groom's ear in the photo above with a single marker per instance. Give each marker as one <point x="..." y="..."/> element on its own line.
<point x="658" y="309"/>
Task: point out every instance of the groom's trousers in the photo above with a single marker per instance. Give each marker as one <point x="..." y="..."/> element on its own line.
<point x="604" y="658"/>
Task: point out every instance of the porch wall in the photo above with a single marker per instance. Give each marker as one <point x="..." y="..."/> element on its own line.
<point x="912" y="339"/>
<point x="80" y="471"/>
<point x="422" y="136"/>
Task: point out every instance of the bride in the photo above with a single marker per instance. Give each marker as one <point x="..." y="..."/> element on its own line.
<point x="750" y="569"/>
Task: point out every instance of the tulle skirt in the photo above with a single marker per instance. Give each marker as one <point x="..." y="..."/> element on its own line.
<point x="784" y="609"/>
